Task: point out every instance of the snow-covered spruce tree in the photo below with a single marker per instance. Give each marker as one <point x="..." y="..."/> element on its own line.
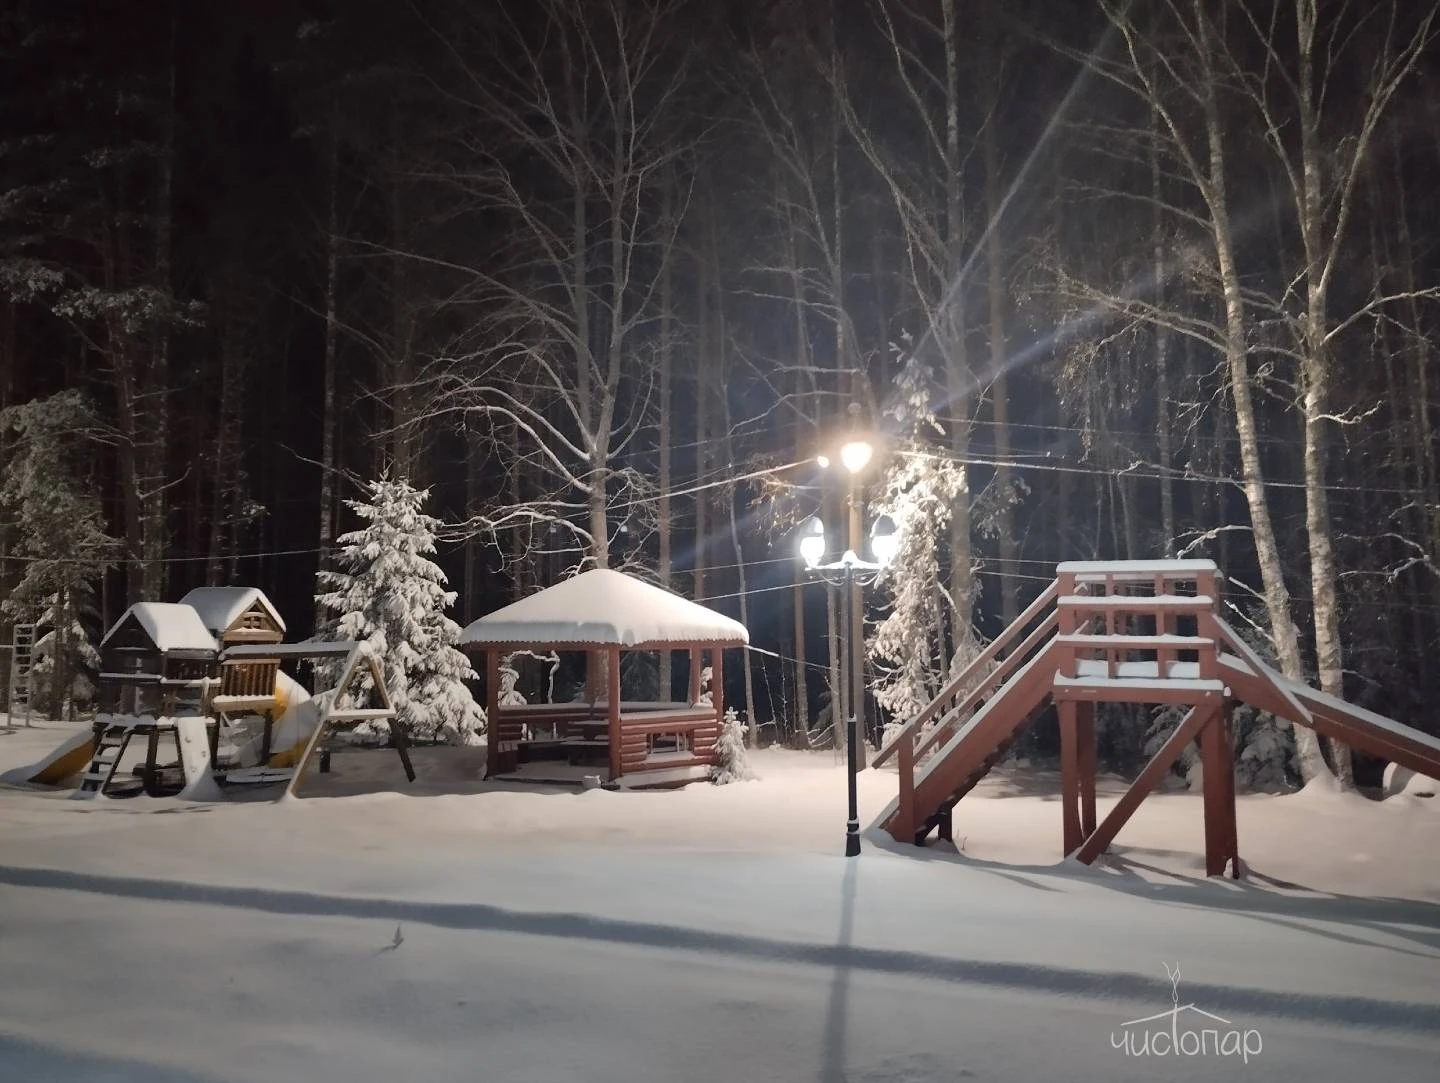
<point x="46" y="483"/>
<point x="733" y="764"/>
<point x="910" y="647"/>
<point x="391" y="596"/>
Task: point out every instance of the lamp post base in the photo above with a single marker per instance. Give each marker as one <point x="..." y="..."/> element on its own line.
<point x="852" y="841"/>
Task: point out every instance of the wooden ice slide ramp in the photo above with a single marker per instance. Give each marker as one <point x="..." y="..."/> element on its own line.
<point x="1117" y="632"/>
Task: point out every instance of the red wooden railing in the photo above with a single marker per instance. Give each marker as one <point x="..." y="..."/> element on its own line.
<point x="974" y="674"/>
<point x="1104" y="614"/>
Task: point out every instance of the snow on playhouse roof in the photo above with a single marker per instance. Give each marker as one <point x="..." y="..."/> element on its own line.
<point x="220" y="607"/>
<point x="171" y="626"/>
<point x="605" y="607"/>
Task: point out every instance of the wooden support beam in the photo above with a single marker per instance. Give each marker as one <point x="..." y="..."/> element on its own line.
<point x="492" y="712"/>
<point x="1085" y="738"/>
<point x="695" y="662"/>
<point x="1213" y="762"/>
<point x="1232" y="838"/>
<point x="1148" y="779"/>
<point x="614" y="714"/>
<point x="717" y="682"/>
<point x="1069" y="774"/>
<point x="903" y="827"/>
<point x="1219" y="791"/>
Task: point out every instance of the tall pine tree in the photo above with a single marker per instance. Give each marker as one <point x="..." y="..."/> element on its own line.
<point x="391" y="596"/>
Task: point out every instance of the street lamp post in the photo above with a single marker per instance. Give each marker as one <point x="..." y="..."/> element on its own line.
<point x="843" y="573"/>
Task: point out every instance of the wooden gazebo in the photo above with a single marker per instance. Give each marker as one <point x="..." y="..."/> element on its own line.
<point x="604" y="613"/>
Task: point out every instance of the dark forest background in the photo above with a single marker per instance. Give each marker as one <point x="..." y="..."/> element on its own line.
<point x="606" y="275"/>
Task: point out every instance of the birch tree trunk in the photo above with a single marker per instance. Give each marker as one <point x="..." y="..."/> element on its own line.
<point x="999" y="384"/>
<point x="332" y="334"/>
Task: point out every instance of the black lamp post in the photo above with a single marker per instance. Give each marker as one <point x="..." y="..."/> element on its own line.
<point x="849" y="572"/>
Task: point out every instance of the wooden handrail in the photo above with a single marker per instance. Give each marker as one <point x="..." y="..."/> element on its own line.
<point x="998" y="676"/>
<point x="984" y="658"/>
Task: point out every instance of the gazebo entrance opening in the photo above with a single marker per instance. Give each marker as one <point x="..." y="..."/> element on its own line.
<point x="604" y="733"/>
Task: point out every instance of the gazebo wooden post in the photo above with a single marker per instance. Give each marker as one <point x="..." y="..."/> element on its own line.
<point x="492" y="711"/>
<point x="717" y="684"/>
<point x="613" y="702"/>
<point x="695" y="661"/>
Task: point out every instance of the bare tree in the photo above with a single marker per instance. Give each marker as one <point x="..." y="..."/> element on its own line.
<point x="564" y="149"/>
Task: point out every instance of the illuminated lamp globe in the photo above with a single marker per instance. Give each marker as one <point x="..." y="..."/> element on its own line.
<point x="856" y="455"/>
<point x="812" y="542"/>
<point x="884" y="540"/>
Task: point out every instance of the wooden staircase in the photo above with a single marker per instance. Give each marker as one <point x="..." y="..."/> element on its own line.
<point x="1143" y="632"/>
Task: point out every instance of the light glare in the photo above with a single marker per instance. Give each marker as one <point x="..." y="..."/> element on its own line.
<point x="856" y="455"/>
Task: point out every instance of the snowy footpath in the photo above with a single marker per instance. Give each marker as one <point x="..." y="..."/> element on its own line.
<point x="708" y="935"/>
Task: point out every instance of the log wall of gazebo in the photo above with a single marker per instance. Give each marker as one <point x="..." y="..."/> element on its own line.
<point x="629" y="726"/>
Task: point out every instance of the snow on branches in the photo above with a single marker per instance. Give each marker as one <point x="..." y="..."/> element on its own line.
<point x="391" y="596"/>
<point x="919" y="493"/>
<point x="732" y="762"/>
<point x="47" y="483"/>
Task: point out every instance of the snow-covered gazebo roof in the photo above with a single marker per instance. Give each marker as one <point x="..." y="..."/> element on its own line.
<point x="171" y="626"/>
<point x="605" y="608"/>
<point x="220" y="607"/>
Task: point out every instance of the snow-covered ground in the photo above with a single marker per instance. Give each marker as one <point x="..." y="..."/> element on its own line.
<point x="708" y="934"/>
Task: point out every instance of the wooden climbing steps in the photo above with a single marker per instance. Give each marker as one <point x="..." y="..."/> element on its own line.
<point x="1145" y="632"/>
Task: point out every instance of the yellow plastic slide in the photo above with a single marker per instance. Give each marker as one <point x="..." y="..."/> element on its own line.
<point x="67" y="761"/>
<point x="296" y="716"/>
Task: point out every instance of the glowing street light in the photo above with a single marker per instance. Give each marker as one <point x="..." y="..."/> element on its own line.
<point x="855" y="455"/>
<point x="842" y="573"/>
<point x="884" y="540"/>
<point x="812" y="543"/>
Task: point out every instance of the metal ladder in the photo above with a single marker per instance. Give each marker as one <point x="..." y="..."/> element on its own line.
<point x="22" y="662"/>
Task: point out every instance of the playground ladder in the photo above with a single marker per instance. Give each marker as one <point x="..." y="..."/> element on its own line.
<point x="110" y="742"/>
<point x="22" y="662"/>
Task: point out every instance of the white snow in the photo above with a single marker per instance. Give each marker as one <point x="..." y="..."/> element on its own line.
<point x="220" y="607"/>
<point x="1133" y="569"/>
<point x="171" y="626"/>
<point x="604" y="607"/>
<point x="1401" y="780"/>
<point x="711" y="934"/>
<point x="195" y="760"/>
<point x="1128" y="602"/>
<point x="1175" y="671"/>
<point x="1129" y="642"/>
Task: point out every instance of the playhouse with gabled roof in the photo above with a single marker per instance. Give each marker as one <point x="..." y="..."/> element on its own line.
<point x="157" y="657"/>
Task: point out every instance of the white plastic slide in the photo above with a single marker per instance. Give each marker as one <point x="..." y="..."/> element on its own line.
<point x="200" y="783"/>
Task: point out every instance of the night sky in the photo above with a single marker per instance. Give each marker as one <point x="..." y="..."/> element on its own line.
<point x="199" y="151"/>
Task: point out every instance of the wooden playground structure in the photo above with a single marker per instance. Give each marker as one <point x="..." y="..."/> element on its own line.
<point x="1146" y="632"/>
<point x="175" y="675"/>
<point x="195" y="770"/>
